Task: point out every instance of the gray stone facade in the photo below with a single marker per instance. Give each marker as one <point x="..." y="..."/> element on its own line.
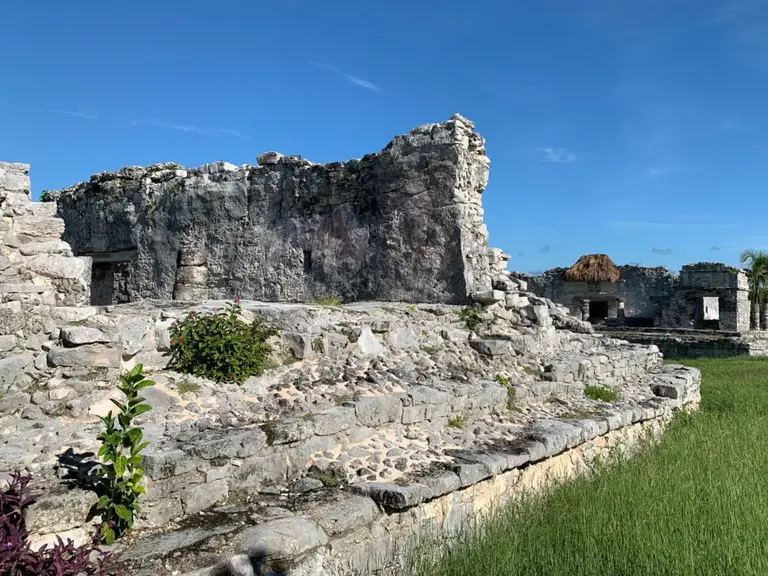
<point x="703" y="296"/>
<point x="404" y="224"/>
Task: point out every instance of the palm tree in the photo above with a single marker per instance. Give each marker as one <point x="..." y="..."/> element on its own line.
<point x="757" y="272"/>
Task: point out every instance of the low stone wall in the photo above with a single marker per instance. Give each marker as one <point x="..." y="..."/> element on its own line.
<point x="370" y="528"/>
<point x="682" y="343"/>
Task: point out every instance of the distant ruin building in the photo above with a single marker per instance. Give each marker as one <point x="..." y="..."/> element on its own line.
<point x="404" y="224"/>
<point x="703" y="296"/>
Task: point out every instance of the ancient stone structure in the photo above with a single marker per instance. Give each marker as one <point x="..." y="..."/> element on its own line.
<point x="404" y="224"/>
<point x="377" y="422"/>
<point x="703" y="296"/>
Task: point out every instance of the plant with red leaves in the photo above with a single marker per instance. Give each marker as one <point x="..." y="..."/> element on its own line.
<point x="18" y="558"/>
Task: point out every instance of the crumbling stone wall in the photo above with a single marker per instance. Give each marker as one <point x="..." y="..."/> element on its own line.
<point x="655" y="294"/>
<point x="645" y="289"/>
<point x="706" y="279"/>
<point x="404" y="224"/>
<point x="38" y="275"/>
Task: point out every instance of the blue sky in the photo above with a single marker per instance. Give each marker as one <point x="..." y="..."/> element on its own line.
<point x="636" y="128"/>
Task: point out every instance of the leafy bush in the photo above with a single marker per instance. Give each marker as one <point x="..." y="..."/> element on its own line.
<point x="220" y="345"/>
<point x="17" y="558"/>
<point x="119" y="483"/>
<point x="470" y="317"/>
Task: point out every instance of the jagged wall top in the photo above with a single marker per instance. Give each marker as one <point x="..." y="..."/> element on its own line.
<point x="405" y="223"/>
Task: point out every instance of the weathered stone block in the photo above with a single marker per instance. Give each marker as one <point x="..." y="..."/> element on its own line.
<point x="230" y="443"/>
<point x="79" y="335"/>
<point x="164" y="463"/>
<point x="377" y="410"/>
<point x="493" y="347"/>
<point x="288" y="430"/>
<point x="334" y="420"/>
<point x="281" y="538"/>
<point x="392" y="495"/>
<point x="343" y="512"/>
<point x="488" y="297"/>
<point x="93" y="355"/>
<point x="12" y="369"/>
<point x="59" y="512"/>
<point x="202" y="497"/>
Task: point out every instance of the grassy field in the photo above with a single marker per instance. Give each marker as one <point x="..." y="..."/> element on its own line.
<point x="695" y="503"/>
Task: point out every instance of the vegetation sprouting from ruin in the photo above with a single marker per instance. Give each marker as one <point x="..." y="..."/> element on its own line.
<point x="220" y="345"/>
<point x="19" y="558"/>
<point x="120" y="476"/>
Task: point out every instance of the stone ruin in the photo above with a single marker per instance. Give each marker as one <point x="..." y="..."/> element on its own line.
<point x="702" y="311"/>
<point x="404" y="224"/>
<point x="379" y="422"/>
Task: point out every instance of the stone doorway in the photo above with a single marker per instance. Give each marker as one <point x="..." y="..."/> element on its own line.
<point x="598" y="310"/>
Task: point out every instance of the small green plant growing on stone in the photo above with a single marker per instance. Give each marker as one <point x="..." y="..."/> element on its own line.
<point x="318" y="347"/>
<point x="328" y="301"/>
<point x="186" y="386"/>
<point x="175" y="187"/>
<point x="412" y="307"/>
<point x="46" y="196"/>
<point x="503" y="380"/>
<point x="459" y="421"/>
<point x="220" y="345"/>
<point x="429" y="348"/>
<point x="120" y="474"/>
<point x="601" y="393"/>
<point x="470" y="317"/>
<point x="151" y="205"/>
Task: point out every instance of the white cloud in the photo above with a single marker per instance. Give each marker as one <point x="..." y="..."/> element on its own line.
<point x="353" y="79"/>
<point x="191" y="128"/>
<point x="75" y="114"/>
<point x="558" y="155"/>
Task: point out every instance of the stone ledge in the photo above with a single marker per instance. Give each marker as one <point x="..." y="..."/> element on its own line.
<point x="337" y="530"/>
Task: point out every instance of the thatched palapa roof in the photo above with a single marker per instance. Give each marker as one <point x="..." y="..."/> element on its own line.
<point x="593" y="268"/>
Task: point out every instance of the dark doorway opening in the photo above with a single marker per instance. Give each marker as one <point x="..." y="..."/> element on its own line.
<point x="598" y="310"/>
<point x="102" y="283"/>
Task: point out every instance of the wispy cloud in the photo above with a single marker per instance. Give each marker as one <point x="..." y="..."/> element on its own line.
<point x="192" y="129"/>
<point x="353" y="79"/>
<point x="545" y="249"/>
<point x="663" y="251"/>
<point x="521" y="253"/>
<point x="715" y="249"/>
<point x="745" y="24"/>
<point x="559" y="155"/>
<point x="75" y="114"/>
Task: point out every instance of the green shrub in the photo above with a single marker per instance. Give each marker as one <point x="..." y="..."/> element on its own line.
<point x="119" y="477"/>
<point x="318" y="347"/>
<point x="220" y="345"/>
<point x="470" y="317"/>
<point x="503" y="380"/>
<point x="601" y="393"/>
<point x="458" y="422"/>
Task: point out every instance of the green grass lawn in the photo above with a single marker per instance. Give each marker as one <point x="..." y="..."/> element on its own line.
<point x="694" y="503"/>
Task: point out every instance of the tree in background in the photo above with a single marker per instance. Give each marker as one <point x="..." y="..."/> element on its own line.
<point x="757" y="272"/>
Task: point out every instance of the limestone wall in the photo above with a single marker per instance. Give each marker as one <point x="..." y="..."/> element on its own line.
<point x="404" y="224"/>
<point x="38" y="274"/>
<point x="697" y="281"/>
